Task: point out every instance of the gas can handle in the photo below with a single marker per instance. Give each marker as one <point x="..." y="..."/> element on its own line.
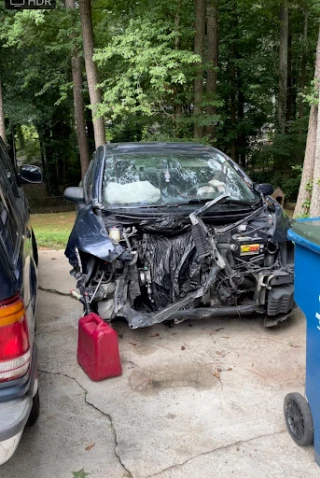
<point x="101" y="324"/>
<point x="94" y="319"/>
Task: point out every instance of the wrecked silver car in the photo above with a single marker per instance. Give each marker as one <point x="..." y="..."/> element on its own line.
<point x="176" y="231"/>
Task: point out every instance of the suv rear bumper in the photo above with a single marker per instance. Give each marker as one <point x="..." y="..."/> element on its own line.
<point x="8" y="447"/>
<point x="14" y="414"/>
<point x="13" y="418"/>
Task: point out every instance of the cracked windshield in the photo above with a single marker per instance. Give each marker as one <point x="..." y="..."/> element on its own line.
<point x="156" y="179"/>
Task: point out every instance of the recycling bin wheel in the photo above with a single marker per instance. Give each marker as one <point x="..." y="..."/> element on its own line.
<point x="298" y="418"/>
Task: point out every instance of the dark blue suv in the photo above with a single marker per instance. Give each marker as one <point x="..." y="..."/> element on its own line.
<point x="19" y="398"/>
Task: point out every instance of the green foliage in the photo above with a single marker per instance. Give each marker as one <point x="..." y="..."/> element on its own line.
<point x="311" y="94"/>
<point x="280" y="162"/>
<point x="146" y="70"/>
<point x="288" y="183"/>
<point x="35" y="71"/>
<point x="80" y="474"/>
<point x="31" y="149"/>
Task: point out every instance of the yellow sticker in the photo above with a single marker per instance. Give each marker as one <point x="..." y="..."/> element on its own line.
<point x="250" y="249"/>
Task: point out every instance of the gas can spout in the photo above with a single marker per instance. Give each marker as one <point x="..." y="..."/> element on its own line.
<point x="75" y="294"/>
<point x="84" y="299"/>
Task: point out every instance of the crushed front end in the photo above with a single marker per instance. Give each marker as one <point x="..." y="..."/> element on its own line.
<point x="152" y="267"/>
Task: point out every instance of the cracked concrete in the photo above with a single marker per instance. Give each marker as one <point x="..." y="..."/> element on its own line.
<point x="98" y="410"/>
<point x="248" y="459"/>
<point x="54" y="291"/>
<point x="167" y="416"/>
<point x="218" y="449"/>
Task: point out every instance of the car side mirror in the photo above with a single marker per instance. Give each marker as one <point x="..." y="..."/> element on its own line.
<point x="264" y="188"/>
<point x="74" y="194"/>
<point x="30" y="174"/>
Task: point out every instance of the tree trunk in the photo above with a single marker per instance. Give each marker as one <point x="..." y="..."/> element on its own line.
<point x="2" y="123"/>
<point x="79" y="118"/>
<point x="80" y="122"/>
<point x="91" y="69"/>
<point x="22" y="144"/>
<point x="199" y="40"/>
<point x="233" y="80"/>
<point x="315" y="200"/>
<point x="309" y="158"/>
<point x="177" y="19"/>
<point x="11" y="144"/>
<point x="308" y="164"/>
<point x="178" y="88"/>
<point x="212" y="34"/>
<point x="233" y="115"/>
<point x="283" y="66"/>
<point x="242" y="138"/>
<point x="290" y="106"/>
<point x="232" y="75"/>
<point x="90" y="131"/>
<point x="302" y="79"/>
<point x="43" y="159"/>
<point x="51" y="160"/>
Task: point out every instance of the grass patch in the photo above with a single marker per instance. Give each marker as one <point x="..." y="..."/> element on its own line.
<point x="53" y="230"/>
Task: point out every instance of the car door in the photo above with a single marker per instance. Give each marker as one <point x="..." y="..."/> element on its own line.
<point x="20" y="240"/>
<point x="11" y="233"/>
<point x="8" y="280"/>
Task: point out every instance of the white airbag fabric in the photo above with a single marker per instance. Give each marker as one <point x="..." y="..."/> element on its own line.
<point x="131" y="193"/>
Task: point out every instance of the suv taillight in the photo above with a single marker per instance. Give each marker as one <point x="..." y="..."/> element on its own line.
<point x="14" y="339"/>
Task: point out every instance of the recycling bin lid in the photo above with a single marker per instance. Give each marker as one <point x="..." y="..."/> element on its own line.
<point x="306" y="233"/>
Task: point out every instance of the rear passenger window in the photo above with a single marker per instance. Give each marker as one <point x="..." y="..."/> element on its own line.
<point x="8" y="226"/>
<point x="10" y="171"/>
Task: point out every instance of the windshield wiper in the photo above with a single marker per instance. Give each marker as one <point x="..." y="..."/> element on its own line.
<point x="149" y="206"/>
<point x="228" y="200"/>
<point x="242" y="202"/>
<point x="208" y="205"/>
<point x="225" y="198"/>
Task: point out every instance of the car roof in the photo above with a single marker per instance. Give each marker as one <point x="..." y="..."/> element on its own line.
<point x="123" y="148"/>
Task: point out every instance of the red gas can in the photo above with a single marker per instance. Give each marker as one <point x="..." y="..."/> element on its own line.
<point x="98" y="351"/>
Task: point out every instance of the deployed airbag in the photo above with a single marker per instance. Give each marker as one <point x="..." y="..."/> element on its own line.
<point x="131" y="193"/>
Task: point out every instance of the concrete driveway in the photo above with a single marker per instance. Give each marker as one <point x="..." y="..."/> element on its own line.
<point x="201" y="399"/>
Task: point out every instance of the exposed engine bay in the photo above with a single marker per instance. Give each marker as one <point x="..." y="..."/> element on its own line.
<point x="179" y="267"/>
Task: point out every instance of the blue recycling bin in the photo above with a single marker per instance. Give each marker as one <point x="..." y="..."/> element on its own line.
<point x="303" y="415"/>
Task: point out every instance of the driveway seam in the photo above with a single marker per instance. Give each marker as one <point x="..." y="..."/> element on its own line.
<point x="114" y="432"/>
<point x="57" y="292"/>
<point x="241" y="442"/>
